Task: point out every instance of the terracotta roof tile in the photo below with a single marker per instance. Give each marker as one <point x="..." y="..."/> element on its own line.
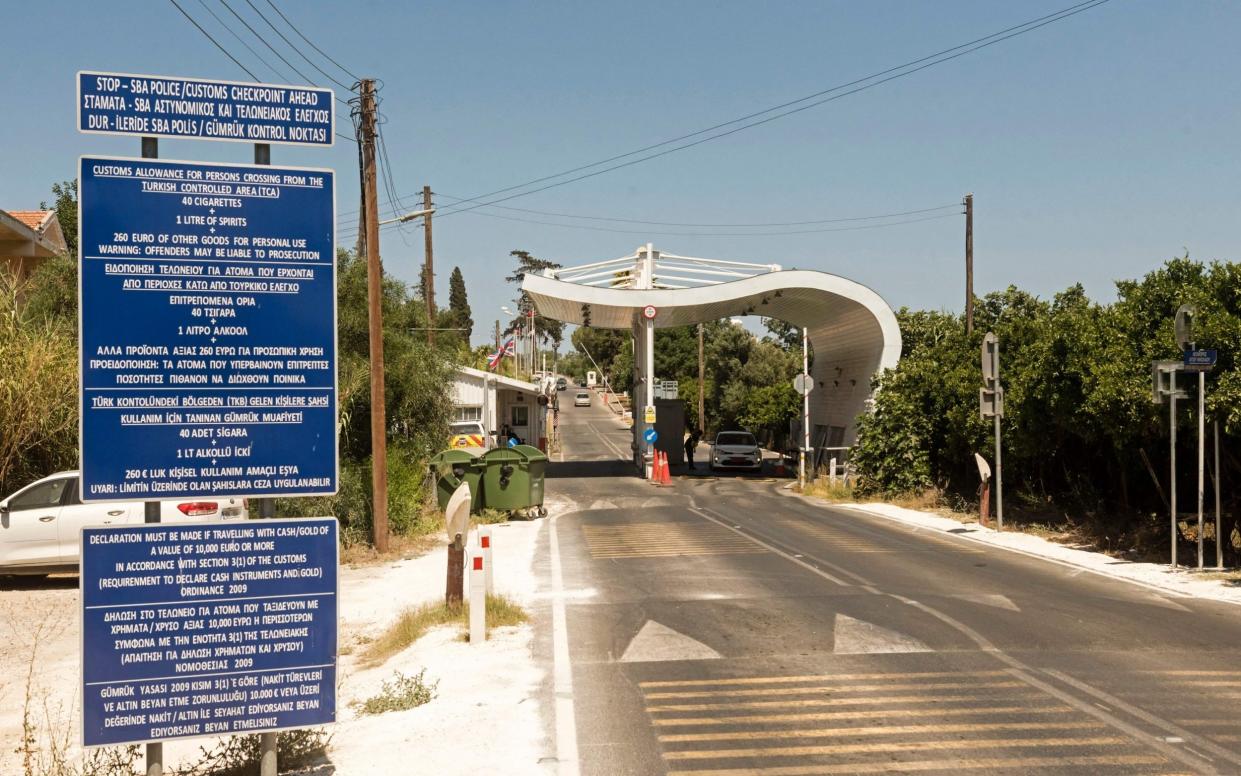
<point x="32" y="218"/>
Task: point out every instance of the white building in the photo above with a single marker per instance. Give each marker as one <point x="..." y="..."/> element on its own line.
<point x="501" y="404"/>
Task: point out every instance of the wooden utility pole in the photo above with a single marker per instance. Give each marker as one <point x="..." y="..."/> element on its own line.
<point x="428" y="272"/>
<point x="374" y="299"/>
<point x="969" y="263"/>
<point x="702" y="414"/>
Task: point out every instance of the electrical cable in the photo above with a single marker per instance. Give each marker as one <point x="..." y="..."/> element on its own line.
<point x="265" y="43"/>
<point x="344" y="69"/>
<point x="961" y="51"/>
<point x="242" y="41"/>
<point x="295" y="48"/>
<point x="213" y="40"/>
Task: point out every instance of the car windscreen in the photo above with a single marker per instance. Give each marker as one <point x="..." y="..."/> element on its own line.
<point x="735" y="439"/>
<point x="465" y="428"/>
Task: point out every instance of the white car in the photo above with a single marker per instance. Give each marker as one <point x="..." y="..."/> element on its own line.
<point x="736" y="450"/>
<point x="40" y="524"/>
<point x="582" y="399"/>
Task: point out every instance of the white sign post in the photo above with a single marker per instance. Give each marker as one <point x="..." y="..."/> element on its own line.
<point x="804" y="385"/>
<point x="991" y="404"/>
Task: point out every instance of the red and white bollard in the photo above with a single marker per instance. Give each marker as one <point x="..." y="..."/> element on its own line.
<point x="478" y="601"/>
<point x="484" y="542"/>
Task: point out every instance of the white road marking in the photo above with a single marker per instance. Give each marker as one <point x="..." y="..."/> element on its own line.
<point x="989" y="599"/>
<point x="858" y="637"/>
<point x="656" y="642"/>
<point x="562" y="672"/>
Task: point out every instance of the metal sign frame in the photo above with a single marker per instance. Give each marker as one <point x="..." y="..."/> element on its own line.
<point x="85" y="497"/>
<point x="183" y="79"/>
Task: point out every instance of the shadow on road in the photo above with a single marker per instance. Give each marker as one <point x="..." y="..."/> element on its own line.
<point x="573" y="469"/>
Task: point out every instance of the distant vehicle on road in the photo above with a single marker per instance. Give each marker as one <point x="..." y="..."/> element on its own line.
<point x="582" y="399"/>
<point x="467" y="435"/>
<point x="561" y="384"/>
<point x="736" y="450"/>
<point x="41" y="523"/>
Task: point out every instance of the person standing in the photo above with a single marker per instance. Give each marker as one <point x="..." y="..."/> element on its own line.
<point x="691" y="442"/>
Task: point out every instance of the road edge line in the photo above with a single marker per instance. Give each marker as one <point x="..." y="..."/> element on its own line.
<point x="562" y="669"/>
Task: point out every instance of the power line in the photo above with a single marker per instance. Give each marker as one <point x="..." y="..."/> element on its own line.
<point x="344" y="69"/>
<point x="710" y="225"/>
<point x="241" y="40"/>
<point x="265" y="43"/>
<point x="935" y="59"/>
<point x="289" y="43"/>
<point x="213" y="40"/>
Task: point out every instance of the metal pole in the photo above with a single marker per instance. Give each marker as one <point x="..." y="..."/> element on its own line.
<point x="374" y="298"/>
<point x="429" y="267"/>
<point x="1172" y="456"/>
<point x="702" y="414"/>
<point x="805" y="410"/>
<point x="1219" y="537"/>
<point x="999" y="478"/>
<point x="969" y="264"/>
<point x="1202" y="447"/>
<point x="267" y="755"/>
<point x="151" y="514"/>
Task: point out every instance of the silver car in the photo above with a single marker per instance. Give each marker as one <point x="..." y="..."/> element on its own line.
<point x="736" y="450"/>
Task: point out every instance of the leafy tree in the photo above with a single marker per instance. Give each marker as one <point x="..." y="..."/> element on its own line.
<point x="546" y="329"/>
<point x="66" y="207"/>
<point x="459" y="305"/>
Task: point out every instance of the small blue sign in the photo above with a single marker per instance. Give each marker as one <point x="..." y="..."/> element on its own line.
<point x="207" y="629"/>
<point x="207" y="330"/>
<point x="512" y="442"/>
<point x="1200" y="360"/>
<point x="650" y="435"/>
<point x="164" y="106"/>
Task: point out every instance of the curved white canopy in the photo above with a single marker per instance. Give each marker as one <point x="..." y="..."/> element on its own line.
<point x="852" y="330"/>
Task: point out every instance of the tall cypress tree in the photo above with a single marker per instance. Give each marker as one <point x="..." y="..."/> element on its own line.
<point x="459" y="304"/>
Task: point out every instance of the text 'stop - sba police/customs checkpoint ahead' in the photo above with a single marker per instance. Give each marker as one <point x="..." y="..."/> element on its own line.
<point x="208" y="330"/>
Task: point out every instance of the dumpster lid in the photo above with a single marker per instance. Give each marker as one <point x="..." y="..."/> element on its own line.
<point x="453" y="455"/>
<point x="530" y="452"/>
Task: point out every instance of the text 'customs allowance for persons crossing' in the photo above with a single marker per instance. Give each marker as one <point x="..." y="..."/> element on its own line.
<point x="207" y="629"/>
<point x="208" y="330"/>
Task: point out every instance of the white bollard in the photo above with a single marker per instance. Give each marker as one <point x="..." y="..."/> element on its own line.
<point x="484" y="541"/>
<point x="478" y="601"/>
<point x="831" y="472"/>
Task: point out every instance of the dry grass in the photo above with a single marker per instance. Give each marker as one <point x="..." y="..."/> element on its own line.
<point x="414" y="623"/>
<point x="399" y="548"/>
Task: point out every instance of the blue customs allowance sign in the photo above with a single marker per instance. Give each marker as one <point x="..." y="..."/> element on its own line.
<point x="207" y="629"/>
<point x="208" y="330"/>
<point x="164" y="106"/>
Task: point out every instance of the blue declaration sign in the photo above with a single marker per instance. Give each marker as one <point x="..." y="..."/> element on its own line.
<point x="208" y="330"/>
<point x="207" y="629"/>
<point x="163" y="106"/>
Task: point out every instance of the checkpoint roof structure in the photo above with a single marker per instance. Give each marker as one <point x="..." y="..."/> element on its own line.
<point x="851" y="328"/>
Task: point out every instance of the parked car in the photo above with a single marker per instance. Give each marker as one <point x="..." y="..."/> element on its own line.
<point x="41" y="523"/>
<point x="468" y="435"/>
<point x="736" y="450"/>
<point x="582" y="399"/>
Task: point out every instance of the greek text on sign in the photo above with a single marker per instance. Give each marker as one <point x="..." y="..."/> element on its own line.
<point x="205" y="629"/>
<point x="208" y="330"/>
<point x="163" y="106"/>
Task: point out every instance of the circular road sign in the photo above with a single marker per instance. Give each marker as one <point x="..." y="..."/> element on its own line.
<point x="650" y="435"/>
<point x="649" y="312"/>
<point x="803" y="384"/>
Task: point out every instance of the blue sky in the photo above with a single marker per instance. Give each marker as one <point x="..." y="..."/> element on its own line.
<point x="1095" y="148"/>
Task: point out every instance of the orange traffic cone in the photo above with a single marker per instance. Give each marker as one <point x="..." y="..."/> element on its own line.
<point x="655" y="468"/>
<point x="664" y="473"/>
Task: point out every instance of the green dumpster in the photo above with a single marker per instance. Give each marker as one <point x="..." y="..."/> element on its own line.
<point x="451" y="468"/>
<point x="513" y="478"/>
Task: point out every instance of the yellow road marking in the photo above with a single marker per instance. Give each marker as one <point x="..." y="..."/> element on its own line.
<point x="655" y="540"/>
<point x="821" y="716"/>
<point x="836" y="689"/>
<point x="822" y="702"/>
<point x="1192" y="672"/>
<point x="891" y="746"/>
<point x="914" y="766"/>
<point x="881" y="730"/>
<point x="817" y="678"/>
<point x="603" y="555"/>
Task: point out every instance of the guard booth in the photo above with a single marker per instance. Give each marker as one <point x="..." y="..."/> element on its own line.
<point x="501" y="404"/>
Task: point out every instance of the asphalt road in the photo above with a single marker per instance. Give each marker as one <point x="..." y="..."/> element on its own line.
<point x="723" y="626"/>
